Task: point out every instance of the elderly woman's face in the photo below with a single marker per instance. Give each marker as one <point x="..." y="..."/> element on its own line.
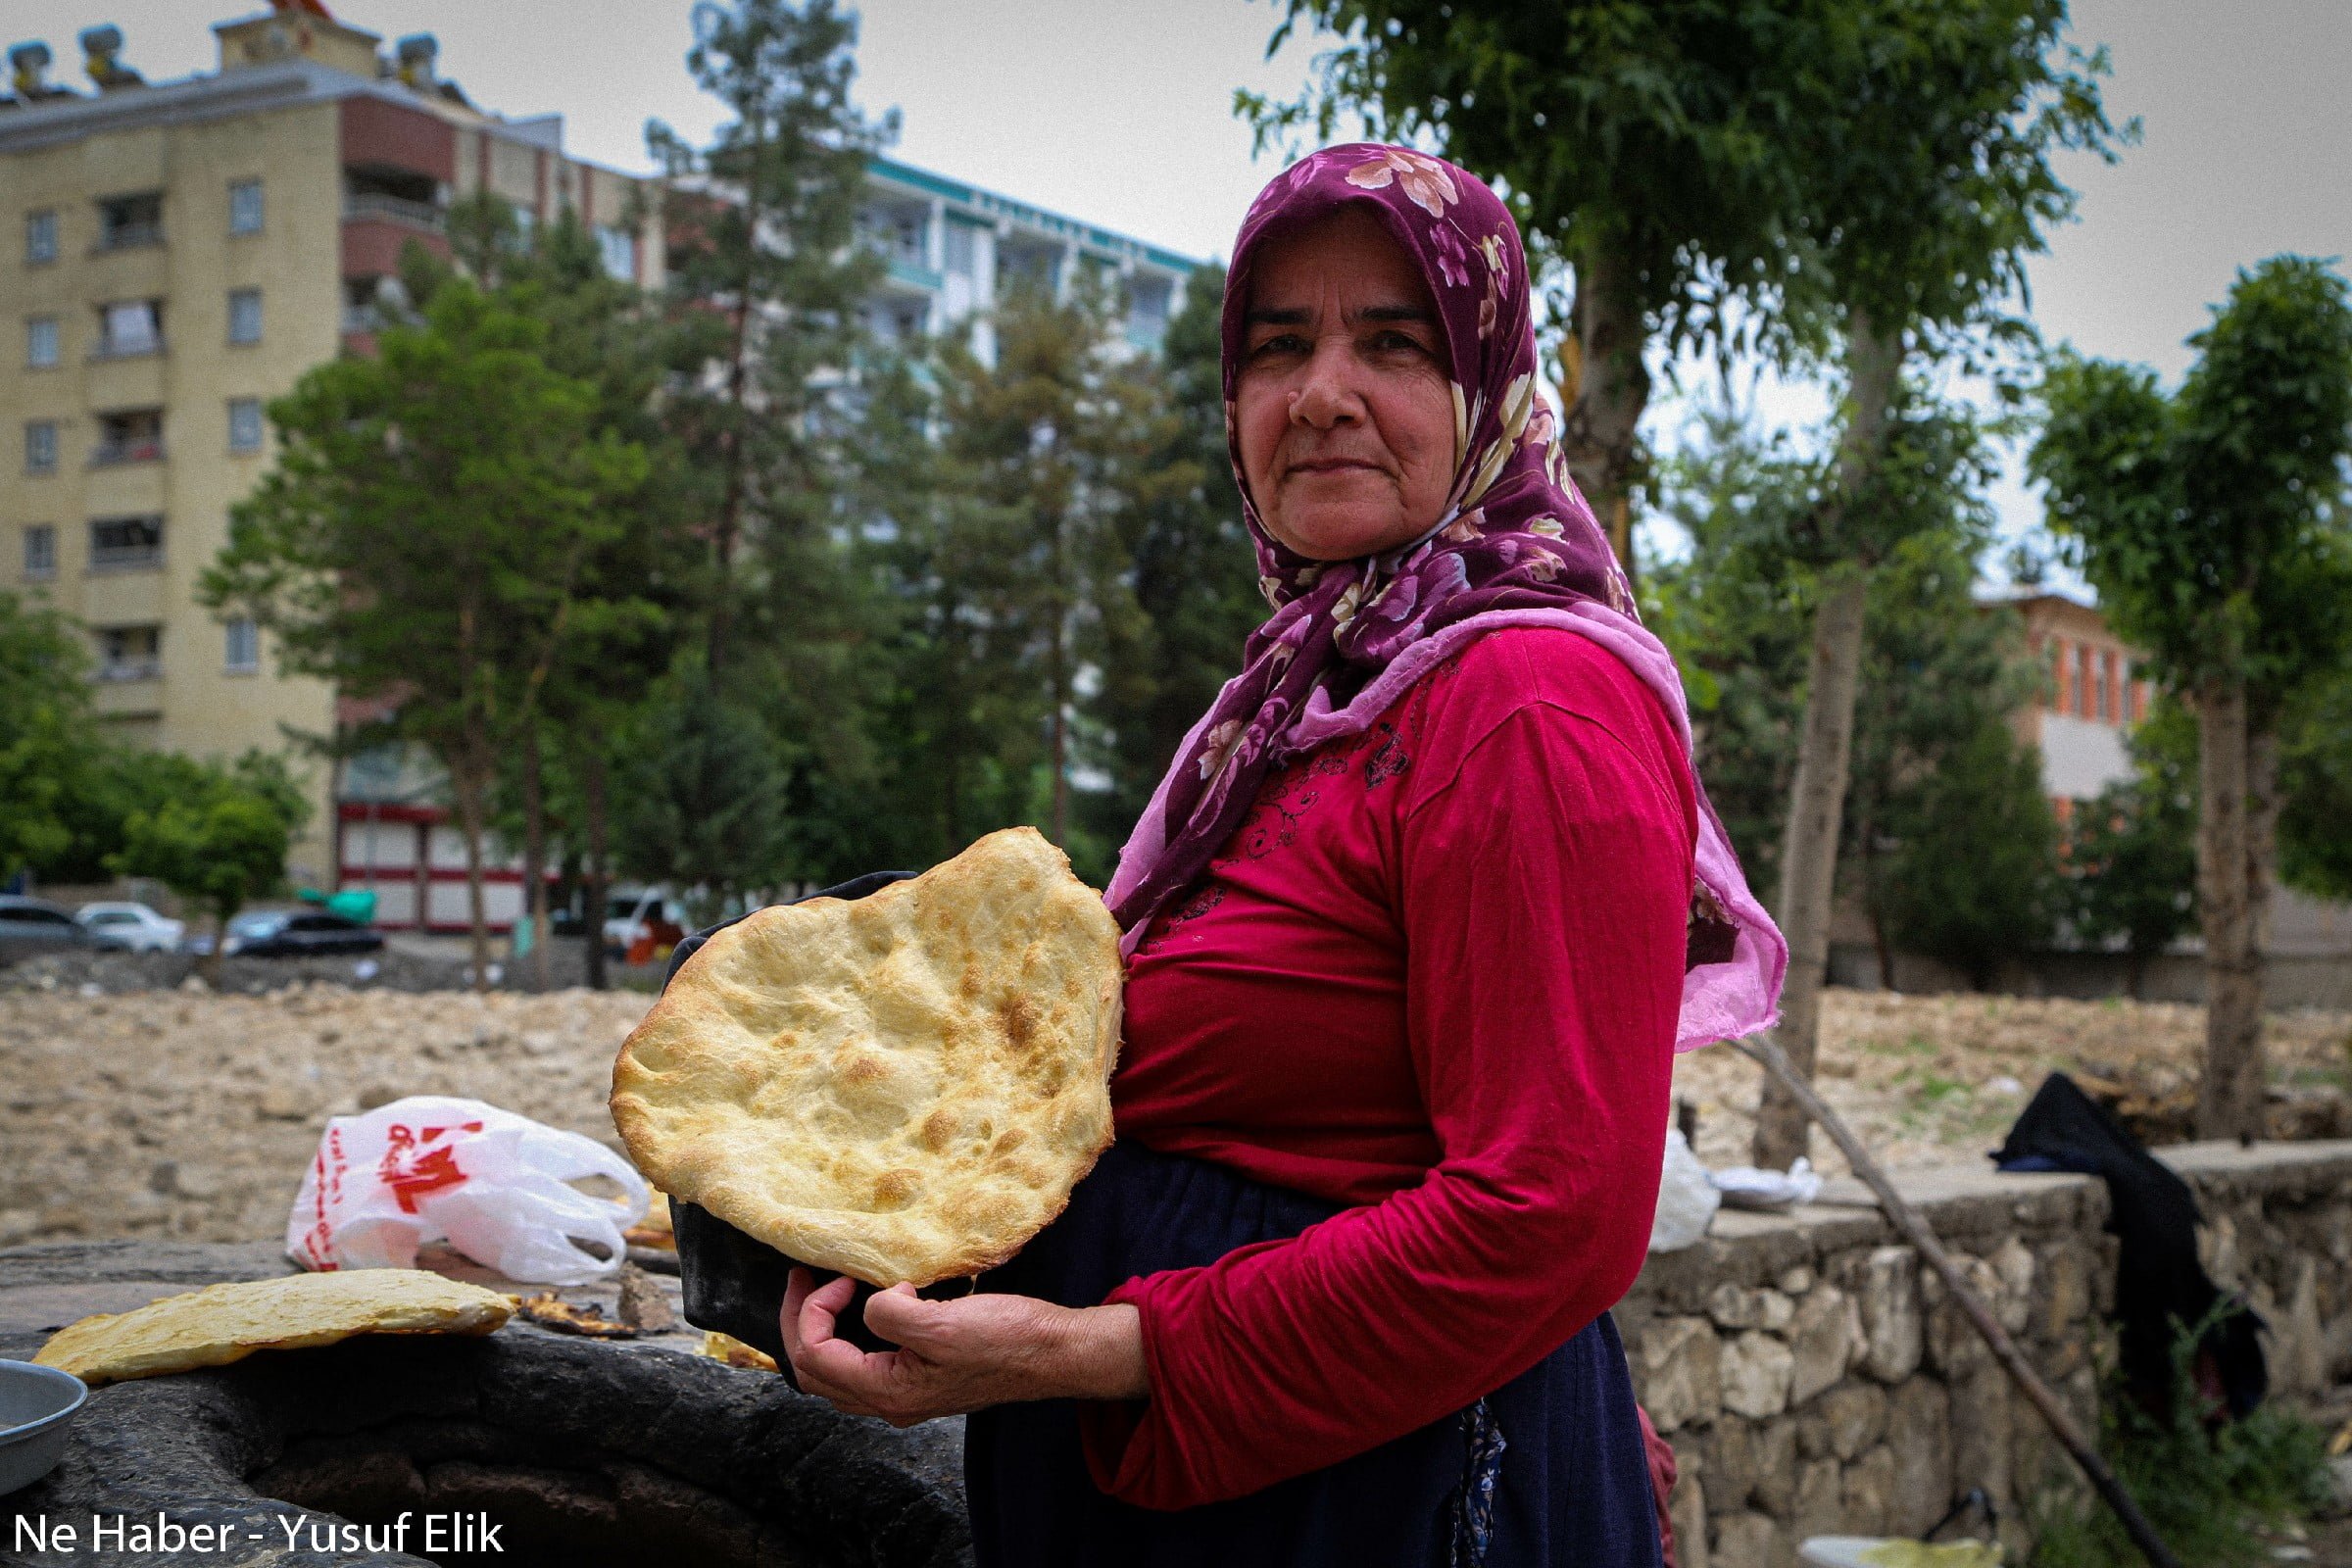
<point x="1343" y="408"/>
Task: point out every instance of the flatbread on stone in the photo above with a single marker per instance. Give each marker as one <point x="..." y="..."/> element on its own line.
<point x="224" y="1323"/>
<point x="902" y="1087"/>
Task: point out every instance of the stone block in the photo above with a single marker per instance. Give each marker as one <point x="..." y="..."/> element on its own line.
<point x="1891" y="1330"/>
<point x="1798" y="1280"/>
<point x="2013" y="1266"/>
<point x="1745" y="1540"/>
<point x="1756" y="1373"/>
<point x="1775" y="1466"/>
<point x="1820" y="1341"/>
<point x="1686" y="1511"/>
<point x="1729" y="1453"/>
<point x="1919" y="1417"/>
<point x="2299" y="1350"/>
<point x="1953" y="1345"/>
<point x="1855" y="1417"/>
<point x="2063" y="1298"/>
<point x="1981" y="1426"/>
<point x="1820" y="1508"/>
<point x="1681" y="1368"/>
<point x="1869" y="1493"/>
<point x="1737" y="1307"/>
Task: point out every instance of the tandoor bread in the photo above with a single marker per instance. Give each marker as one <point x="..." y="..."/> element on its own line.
<point x="224" y="1323"/>
<point x="902" y="1087"/>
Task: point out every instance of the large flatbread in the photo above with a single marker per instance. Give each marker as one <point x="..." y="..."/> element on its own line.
<point x="902" y="1087"/>
<point x="224" y="1323"/>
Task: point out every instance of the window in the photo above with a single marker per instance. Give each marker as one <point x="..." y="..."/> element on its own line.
<point x="40" y="237"/>
<point x="126" y="543"/>
<point x="128" y="328"/>
<point x="40" y="446"/>
<point x="244" y="207"/>
<point x="244" y="424"/>
<point x="2083" y="697"/>
<point x="125" y="222"/>
<point x="360" y="314"/>
<point x="243" y="640"/>
<point x="133" y="436"/>
<point x="41" y="342"/>
<point x="244" y="316"/>
<point x="40" y="550"/>
<point x="963" y="258"/>
<point x="130" y="653"/>
<point x="619" y="250"/>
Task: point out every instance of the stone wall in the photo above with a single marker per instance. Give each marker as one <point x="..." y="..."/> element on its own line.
<point x="1815" y="1379"/>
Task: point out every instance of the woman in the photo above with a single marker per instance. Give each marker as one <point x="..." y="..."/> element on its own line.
<point x="1411" y="931"/>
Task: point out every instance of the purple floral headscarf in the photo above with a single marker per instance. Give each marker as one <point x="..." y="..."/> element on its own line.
<point x="1515" y="546"/>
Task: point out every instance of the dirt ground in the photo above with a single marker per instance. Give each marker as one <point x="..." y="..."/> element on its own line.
<point x="182" y="1113"/>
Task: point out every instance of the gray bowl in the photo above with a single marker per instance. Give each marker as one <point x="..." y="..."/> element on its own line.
<point x="36" y="1404"/>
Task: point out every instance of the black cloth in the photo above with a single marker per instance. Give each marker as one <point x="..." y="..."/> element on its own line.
<point x="2161" y="1289"/>
<point x="732" y="1282"/>
<point x="1548" y="1471"/>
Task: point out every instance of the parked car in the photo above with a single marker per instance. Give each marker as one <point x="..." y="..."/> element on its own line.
<point x="298" y="934"/>
<point x="36" y="925"/>
<point x="130" y="927"/>
<point x="640" y="922"/>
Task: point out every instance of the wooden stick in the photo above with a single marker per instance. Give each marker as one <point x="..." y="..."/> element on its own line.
<point x="1914" y="1225"/>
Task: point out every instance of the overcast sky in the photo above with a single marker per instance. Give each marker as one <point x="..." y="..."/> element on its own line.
<point x="1120" y="112"/>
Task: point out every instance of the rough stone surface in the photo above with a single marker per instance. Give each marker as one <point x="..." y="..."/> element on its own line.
<point x="1819" y="1336"/>
<point x="1919" y="1433"/>
<point x="1756" y="1369"/>
<point x="1868" y="1492"/>
<point x="1853" y="1416"/>
<point x="1682" y="1383"/>
<point x="1745" y="1540"/>
<point x="635" y="1447"/>
<point x="1891" y="1314"/>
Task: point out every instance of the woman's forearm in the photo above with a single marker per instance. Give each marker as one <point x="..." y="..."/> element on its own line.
<point x="1101" y="1354"/>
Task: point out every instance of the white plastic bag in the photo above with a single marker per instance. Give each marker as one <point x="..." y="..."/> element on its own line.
<point x="1747" y="1187"/>
<point x="1687" y="1199"/>
<point x="492" y="1183"/>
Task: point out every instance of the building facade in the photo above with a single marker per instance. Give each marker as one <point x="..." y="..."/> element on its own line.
<point x="952" y="249"/>
<point x="177" y="255"/>
<point x="2093" y="694"/>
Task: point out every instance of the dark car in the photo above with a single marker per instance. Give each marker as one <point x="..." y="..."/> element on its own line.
<point x="34" y="925"/>
<point x="299" y="933"/>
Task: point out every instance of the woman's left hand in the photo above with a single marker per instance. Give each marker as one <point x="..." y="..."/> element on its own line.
<point x="957" y="1357"/>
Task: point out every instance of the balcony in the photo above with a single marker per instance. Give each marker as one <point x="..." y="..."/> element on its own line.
<point x="125" y="558"/>
<point x="128" y="237"/>
<point x="397" y="209"/>
<point x="115" y="454"/>
<point x="150" y="668"/>
<point x="914" y="276"/>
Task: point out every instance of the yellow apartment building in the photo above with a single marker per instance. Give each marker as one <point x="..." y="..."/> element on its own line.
<point x="172" y="256"/>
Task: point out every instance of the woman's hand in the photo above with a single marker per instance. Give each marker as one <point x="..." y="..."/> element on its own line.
<point x="957" y="1357"/>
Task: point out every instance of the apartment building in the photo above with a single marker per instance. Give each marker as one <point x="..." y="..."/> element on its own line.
<point x="178" y="253"/>
<point x="951" y="249"/>
<point x="2096" y="693"/>
<point x="175" y="253"/>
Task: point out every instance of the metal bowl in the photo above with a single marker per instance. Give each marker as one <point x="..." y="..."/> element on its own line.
<point x="37" y="1405"/>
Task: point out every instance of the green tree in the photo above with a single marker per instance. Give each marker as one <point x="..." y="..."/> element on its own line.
<point x="1065" y="442"/>
<point x="2315" y="772"/>
<point x="1194" y="574"/>
<point x="2210" y="521"/>
<point x="219" y="841"/>
<point x="1971" y="879"/>
<point x="422" y="534"/>
<point x="45" y="748"/>
<point x="702" y="801"/>
<point x="2133" y="849"/>
<point x="768" y="269"/>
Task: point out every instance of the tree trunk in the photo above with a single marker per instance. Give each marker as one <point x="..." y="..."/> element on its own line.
<point x="592" y="786"/>
<point x="1605" y="388"/>
<point x="469" y="786"/>
<point x="1809" y="853"/>
<point x="729" y="527"/>
<point x="1817" y="796"/>
<point x="534" y="852"/>
<point x="211" y="960"/>
<point x="2231" y="896"/>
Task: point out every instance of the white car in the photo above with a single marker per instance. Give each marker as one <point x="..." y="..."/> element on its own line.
<point x="130" y="927"/>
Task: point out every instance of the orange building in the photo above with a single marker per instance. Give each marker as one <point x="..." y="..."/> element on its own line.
<point x="2093" y="693"/>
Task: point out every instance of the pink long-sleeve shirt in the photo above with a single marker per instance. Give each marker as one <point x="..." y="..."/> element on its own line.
<point x="1434" y="975"/>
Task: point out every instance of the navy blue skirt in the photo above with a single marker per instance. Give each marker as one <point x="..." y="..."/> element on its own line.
<point x="1546" y="1472"/>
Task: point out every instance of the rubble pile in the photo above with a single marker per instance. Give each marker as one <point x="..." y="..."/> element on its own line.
<point x="190" y="1115"/>
<point x="1930" y="1080"/>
